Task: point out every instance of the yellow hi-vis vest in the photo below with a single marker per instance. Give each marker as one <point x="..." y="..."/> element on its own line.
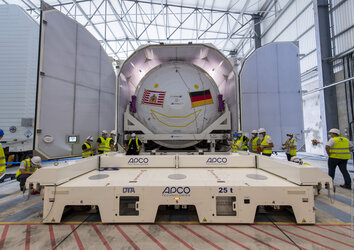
<point x="103" y="145"/>
<point x="28" y="167"/>
<point x="2" y="160"/>
<point x="108" y="141"/>
<point x="136" y="141"/>
<point x="235" y="145"/>
<point x="243" y="143"/>
<point x="340" y="150"/>
<point x="255" y="144"/>
<point x="264" y="143"/>
<point x="290" y="143"/>
<point x="87" y="153"/>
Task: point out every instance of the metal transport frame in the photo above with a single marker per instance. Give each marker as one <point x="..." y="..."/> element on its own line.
<point x="224" y="188"/>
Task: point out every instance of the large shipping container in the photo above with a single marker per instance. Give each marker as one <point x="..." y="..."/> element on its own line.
<point x="18" y="76"/>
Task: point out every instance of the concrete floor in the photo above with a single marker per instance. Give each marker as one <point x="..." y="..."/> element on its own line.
<point x="21" y="227"/>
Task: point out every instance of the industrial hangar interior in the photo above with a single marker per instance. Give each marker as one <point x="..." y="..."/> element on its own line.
<point x="176" y="124"/>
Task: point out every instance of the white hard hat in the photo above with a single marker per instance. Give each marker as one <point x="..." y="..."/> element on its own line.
<point x="113" y="132"/>
<point x="89" y="138"/>
<point x="254" y="132"/>
<point x="335" y="131"/>
<point x="261" y="130"/>
<point x="239" y="132"/>
<point x="36" y="160"/>
<point x="296" y="160"/>
<point x="104" y="132"/>
<point x="133" y="134"/>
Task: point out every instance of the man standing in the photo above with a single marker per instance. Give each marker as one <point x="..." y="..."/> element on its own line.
<point x="110" y="141"/>
<point x="2" y="156"/>
<point x="338" y="149"/>
<point x="290" y="146"/>
<point x="27" y="168"/>
<point x="235" y="143"/>
<point x="87" y="149"/>
<point x="254" y="142"/>
<point x="101" y="144"/>
<point x="134" y="145"/>
<point x="266" y="143"/>
<point x="243" y="141"/>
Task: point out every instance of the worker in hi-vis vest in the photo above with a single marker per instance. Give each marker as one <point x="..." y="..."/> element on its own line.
<point x="339" y="150"/>
<point x="266" y="143"/>
<point x="289" y="146"/>
<point x="27" y="168"/>
<point x="101" y="144"/>
<point x="254" y="142"/>
<point x="2" y="156"/>
<point x="133" y="146"/>
<point x="110" y="140"/>
<point x="235" y="143"/>
<point x="86" y="148"/>
<point x="243" y="141"/>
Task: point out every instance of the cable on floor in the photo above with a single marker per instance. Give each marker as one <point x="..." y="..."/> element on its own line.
<point x="271" y="220"/>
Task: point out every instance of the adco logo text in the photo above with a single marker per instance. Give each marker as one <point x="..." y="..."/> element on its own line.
<point x="216" y="160"/>
<point x="138" y="160"/>
<point x="182" y="191"/>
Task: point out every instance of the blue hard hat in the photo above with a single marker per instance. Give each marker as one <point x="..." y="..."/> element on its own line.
<point x="1" y="132"/>
<point x="235" y="134"/>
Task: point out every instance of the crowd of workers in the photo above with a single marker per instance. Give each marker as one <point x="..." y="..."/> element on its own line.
<point x="262" y="144"/>
<point x="338" y="149"/>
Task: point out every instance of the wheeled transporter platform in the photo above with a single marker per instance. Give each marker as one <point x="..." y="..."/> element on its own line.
<point x="224" y="188"/>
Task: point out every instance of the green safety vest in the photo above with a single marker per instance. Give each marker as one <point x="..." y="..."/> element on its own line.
<point x="109" y="144"/>
<point x="264" y="143"/>
<point x="103" y="145"/>
<point x="243" y="143"/>
<point x="2" y="160"/>
<point x="136" y="141"/>
<point x="254" y="144"/>
<point x="87" y="153"/>
<point x="340" y="150"/>
<point x="290" y="143"/>
<point x="28" y="167"/>
<point x="235" y="145"/>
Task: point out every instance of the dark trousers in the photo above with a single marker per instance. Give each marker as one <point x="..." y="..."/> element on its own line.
<point x="22" y="179"/>
<point x="131" y="152"/>
<point x="342" y="164"/>
<point x="289" y="156"/>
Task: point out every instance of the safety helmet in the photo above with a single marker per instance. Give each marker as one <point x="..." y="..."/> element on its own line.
<point x="261" y="130"/>
<point x="289" y="134"/>
<point x="113" y="132"/>
<point x="36" y="160"/>
<point x="89" y="138"/>
<point x="104" y="132"/>
<point x="235" y="135"/>
<point x="335" y="131"/>
<point x="1" y="132"/>
<point x="133" y="135"/>
<point x="254" y="132"/>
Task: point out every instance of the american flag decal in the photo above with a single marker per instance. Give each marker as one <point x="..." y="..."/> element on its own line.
<point x="153" y="97"/>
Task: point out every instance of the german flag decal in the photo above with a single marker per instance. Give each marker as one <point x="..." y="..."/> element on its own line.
<point x="200" y="98"/>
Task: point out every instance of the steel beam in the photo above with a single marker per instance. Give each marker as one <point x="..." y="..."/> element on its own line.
<point x="257" y="31"/>
<point x="325" y="68"/>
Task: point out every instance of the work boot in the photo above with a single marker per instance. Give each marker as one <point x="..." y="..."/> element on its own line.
<point x="22" y="187"/>
<point x="346" y="187"/>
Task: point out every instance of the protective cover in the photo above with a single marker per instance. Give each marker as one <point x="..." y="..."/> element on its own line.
<point x="148" y="58"/>
<point x="76" y="87"/>
<point x="270" y="92"/>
